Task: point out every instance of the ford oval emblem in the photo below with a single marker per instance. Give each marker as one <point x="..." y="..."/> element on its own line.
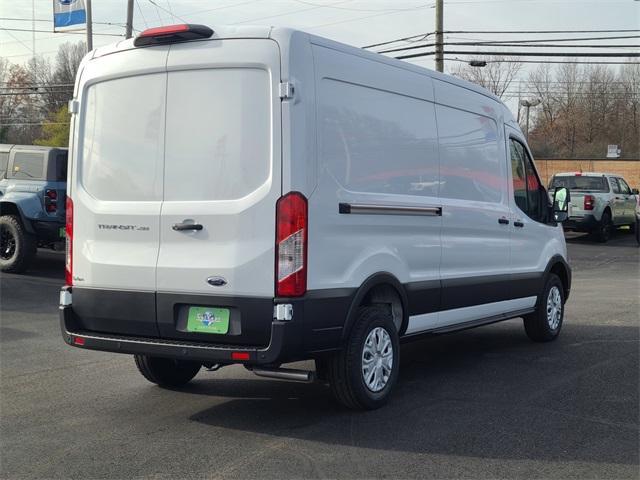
<point x="216" y="281"/>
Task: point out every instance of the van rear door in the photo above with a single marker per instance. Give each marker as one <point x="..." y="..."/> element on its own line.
<point x="221" y="183"/>
<point x="116" y="185"/>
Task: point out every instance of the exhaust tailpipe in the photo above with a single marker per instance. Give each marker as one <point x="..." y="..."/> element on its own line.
<point x="305" y="376"/>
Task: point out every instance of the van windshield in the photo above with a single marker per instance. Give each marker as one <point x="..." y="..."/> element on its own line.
<point x="580" y="183"/>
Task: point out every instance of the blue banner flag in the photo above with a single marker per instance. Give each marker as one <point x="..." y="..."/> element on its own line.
<point x="67" y="13"/>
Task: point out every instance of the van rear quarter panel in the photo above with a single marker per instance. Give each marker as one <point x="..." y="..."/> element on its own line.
<point x="376" y="144"/>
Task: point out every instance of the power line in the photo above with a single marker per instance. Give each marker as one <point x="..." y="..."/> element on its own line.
<point x="366" y="9"/>
<point x="114" y="24"/>
<point x="520" y="43"/>
<point x="62" y="33"/>
<point x="428" y="34"/>
<point x="166" y="11"/>
<point x="527" y="54"/>
<point x="543" y="45"/>
<point x="548" y="61"/>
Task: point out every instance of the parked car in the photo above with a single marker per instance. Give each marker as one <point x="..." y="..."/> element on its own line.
<point x="600" y="202"/>
<point x="32" y="198"/>
<point x="259" y="196"/>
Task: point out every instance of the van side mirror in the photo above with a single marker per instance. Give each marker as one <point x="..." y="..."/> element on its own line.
<point x="635" y="191"/>
<point x="561" y="199"/>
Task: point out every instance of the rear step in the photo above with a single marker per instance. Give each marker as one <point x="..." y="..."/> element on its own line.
<point x="305" y="376"/>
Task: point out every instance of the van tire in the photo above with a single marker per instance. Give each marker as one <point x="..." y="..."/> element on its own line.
<point x="541" y="325"/>
<point x="22" y="243"/>
<point x="345" y="369"/>
<point x="166" y="372"/>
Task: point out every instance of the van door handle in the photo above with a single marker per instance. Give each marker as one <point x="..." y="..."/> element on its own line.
<point x="518" y="224"/>
<point x="503" y="221"/>
<point x="181" y="227"/>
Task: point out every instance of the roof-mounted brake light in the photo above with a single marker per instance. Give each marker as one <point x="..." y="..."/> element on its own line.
<point x="171" y="34"/>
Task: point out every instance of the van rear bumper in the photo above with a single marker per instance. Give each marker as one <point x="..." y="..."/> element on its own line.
<point x="178" y="349"/>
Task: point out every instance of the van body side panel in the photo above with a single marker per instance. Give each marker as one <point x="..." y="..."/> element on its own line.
<point x="377" y="146"/>
<point x="474" y="195"/>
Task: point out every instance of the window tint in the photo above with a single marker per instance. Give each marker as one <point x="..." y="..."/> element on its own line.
<point x="615" y="186"/>
<point x="528" y="191"/>
<point x="518" y="173"/>
<point x="624" y="188"/>
<point x="218" y="140"/>
<point x="28" y="165"/>
<point x="472" y="164"/>
<point x="582" y="183"/>
<point x="4" y="160"/>
<point x="377" y="141"/>
<point x="122" y="138"/>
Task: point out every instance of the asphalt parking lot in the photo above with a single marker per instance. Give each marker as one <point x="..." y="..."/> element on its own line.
<point x="484" y="403"/>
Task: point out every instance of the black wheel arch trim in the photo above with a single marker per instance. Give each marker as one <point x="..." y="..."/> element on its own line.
<point x="560" y="260"/>
<point x="375" y="280"/>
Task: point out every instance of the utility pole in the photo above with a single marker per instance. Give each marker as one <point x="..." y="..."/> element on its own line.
<point x="439" y="35"/>
<point x="89" y="26"/>
<point x="129" y="29"/>
<point x="528" y="104"/>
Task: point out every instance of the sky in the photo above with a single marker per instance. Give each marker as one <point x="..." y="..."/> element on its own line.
<point x="356" y="22"/>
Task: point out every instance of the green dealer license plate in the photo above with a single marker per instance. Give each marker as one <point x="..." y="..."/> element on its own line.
<point x="208" y="320"/>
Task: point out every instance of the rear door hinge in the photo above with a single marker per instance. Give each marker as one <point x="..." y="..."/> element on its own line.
<point x="286" y="90"/>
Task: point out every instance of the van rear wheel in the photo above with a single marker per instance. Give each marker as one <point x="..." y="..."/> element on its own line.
<point x="363" y="374"/>
<point x="545" y="323"/>
<point x="166" y="372"/>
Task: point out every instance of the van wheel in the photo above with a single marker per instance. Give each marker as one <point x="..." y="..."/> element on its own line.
<point x="17" y="246"/>
<point x="363" y="374"/>
<point x="603" y="230"/>
<point x="545" y="323"/>
<point x="166" y="372"/>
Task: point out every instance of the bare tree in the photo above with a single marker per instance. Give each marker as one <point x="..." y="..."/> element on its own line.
<point x="497" y="76"/>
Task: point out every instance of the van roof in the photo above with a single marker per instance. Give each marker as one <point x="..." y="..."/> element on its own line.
<point x="285" y="36"/>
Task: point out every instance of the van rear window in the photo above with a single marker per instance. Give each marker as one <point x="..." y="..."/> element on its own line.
<point x="122" y="138"/>
<point x="29" y="165"/>
<point x="218" y="134"/>
<point x="581" y="183"/>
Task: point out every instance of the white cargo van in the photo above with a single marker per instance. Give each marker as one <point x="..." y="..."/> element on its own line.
<point x="260" y="196"/>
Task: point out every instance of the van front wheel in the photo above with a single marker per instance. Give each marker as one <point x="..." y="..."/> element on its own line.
<point x="166" y="372"/>
<point x="363" y="374"/>
<point x="545" y="323"/>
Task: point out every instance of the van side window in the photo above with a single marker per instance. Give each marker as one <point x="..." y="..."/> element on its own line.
<point x="377" y="141"/>
<point x="526" y="184"/>
<point x="28" y="165"/>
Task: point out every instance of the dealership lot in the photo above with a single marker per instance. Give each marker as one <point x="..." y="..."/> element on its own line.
<point x="484" y="403"/>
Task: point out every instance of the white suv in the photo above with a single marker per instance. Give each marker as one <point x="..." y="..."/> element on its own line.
<point x="261" y="196"/>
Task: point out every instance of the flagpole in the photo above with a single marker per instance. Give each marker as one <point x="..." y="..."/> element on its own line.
<point x="89" y="27"/>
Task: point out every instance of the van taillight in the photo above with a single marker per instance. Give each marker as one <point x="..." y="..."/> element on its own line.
<point x="68" y="229"/>
<point x="291" y="245"/>
<point x="589" y="202"/>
